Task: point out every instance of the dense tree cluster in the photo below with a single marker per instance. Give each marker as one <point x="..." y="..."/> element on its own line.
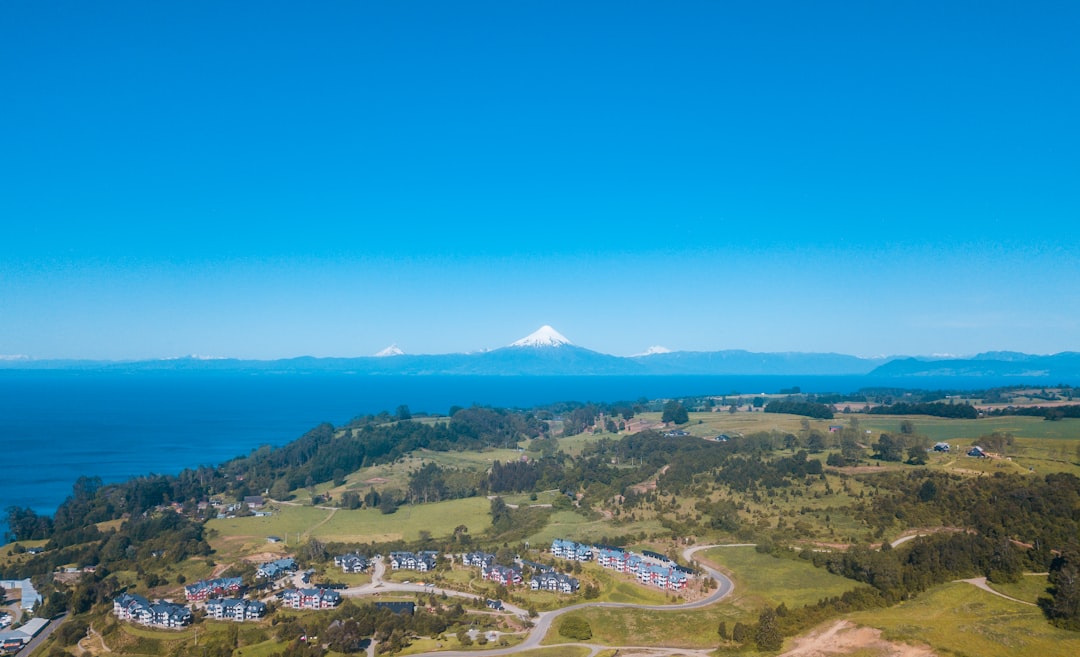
<point x="800" y="407"/>
<point x="936" y="409"/>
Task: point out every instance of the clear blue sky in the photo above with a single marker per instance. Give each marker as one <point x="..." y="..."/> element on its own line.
<point x="269" y="179"/>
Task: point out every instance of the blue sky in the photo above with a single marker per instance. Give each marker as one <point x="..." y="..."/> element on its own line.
<point x="268" y="180"/>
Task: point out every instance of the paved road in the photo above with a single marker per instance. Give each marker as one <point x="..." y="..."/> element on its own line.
<point x="42" y="635"/>
<point x="543" y="622"/>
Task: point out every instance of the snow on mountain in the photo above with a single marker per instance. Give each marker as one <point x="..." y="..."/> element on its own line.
<point x="392" y="350"/>
<point x="545" y="336"/>
<point x="655" y="349"/>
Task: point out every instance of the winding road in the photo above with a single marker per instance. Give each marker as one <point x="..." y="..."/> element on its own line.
<point x="542" y="623"/>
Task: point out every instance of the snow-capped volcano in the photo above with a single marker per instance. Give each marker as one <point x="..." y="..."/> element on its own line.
<point x="545" y="336"/>
<point x="392" y="350"/>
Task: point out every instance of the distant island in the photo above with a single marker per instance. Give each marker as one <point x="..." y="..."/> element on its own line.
<point x="546" y="352"/>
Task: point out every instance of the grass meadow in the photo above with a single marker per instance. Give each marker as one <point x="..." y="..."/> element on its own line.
<point x="959" y="619"/>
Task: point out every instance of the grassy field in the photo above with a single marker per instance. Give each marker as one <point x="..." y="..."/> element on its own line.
<point x="1030" y="588"/>
<point x="962" y="620"/>
<point x="358" y="526"/>
<point x="558" y="651"/>
<point x="576" y="527"/>
<point x="395" y="476"/>
<point x="761" y="579"/>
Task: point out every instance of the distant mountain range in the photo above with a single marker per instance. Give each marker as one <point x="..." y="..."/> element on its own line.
<point x="547" y="352"/>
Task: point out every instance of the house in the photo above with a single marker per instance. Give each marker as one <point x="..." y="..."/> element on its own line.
<point x="977" y="452"/>
<point x="352" y="563"/>
<point x="398" y="607"/>
<point x="497" y="605"/>
<point x="551" y="581"/>
<point x="210" y="588"/>
<point x="502" y="574"/>
<point x="538" y="567"/>
<point x="138" y="609"/>
<point x="273" y="539"/>
<point x="571" y="550"/>
<point x="315" y="598"/>
<point x="235" y="609"/>
<point x="478" y="559"/>
<point x="277" y="568"/>
<point x="254" y="501"/>
<point x="941" y="447"/>
<point x="422" y="562"/>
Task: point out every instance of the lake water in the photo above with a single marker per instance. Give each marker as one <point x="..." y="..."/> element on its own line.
<point x="58" y="425"/>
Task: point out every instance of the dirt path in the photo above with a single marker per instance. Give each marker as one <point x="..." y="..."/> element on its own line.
<point x="844" y="637"/>
<point x="322" y="522"/>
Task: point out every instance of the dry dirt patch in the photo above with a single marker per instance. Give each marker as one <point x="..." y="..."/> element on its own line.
<point x="843" y="637"/>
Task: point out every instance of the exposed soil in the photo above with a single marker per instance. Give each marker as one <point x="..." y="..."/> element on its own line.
<point x="843" y="637"/>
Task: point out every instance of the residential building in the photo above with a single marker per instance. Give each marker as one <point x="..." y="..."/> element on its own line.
<point x="502" y="574"/>
<point x="352" y="563"/>
<point x="210" y="588"/>
<point x="277" y="568"/>
<point x="138" y="609"/>
<point x="236" y="609"/>
<point x="478" y="559"/>
<point x="571" y="550"/>
<point x="551" y="581"/>
<point x="422" y="562"/>
<point x="315" y="598"/>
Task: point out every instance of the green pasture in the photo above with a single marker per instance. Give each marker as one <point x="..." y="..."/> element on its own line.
<point x="960" y="619"/>
<point x="559" y="651"/>
<point x="396" y="475"/>
<point x="762" y="579"/>
<point x="945" y="429"/>
<point x="439" y="519"/>
<point x="713" y="424"/>
<point x="357" y="526"/>
<point x="576" y="527"/>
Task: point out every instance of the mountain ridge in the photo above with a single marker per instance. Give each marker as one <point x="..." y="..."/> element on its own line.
<point x="546" y="352"/>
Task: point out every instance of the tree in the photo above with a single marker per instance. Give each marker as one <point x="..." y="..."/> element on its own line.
<point x="403" y="413"/>
<point x="907" y="427"/>
<point x="280" y="490"/>
<point x="916" y="455"/>
<point x="313" y="550"/>
<point x="387" y="503"/>
<point x="675" y="413"/>
<point x="721" y="631"/>
<point x="768" y="636"/>
<point x="889" y="448"/>
<point x="738" y="634"/>
<point x="1063" y="608"/>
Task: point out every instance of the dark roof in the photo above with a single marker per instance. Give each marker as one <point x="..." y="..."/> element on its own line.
<point x="397" y="607"/>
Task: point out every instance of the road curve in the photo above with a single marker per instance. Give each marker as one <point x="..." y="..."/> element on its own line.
<point x="543" y="621"/>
